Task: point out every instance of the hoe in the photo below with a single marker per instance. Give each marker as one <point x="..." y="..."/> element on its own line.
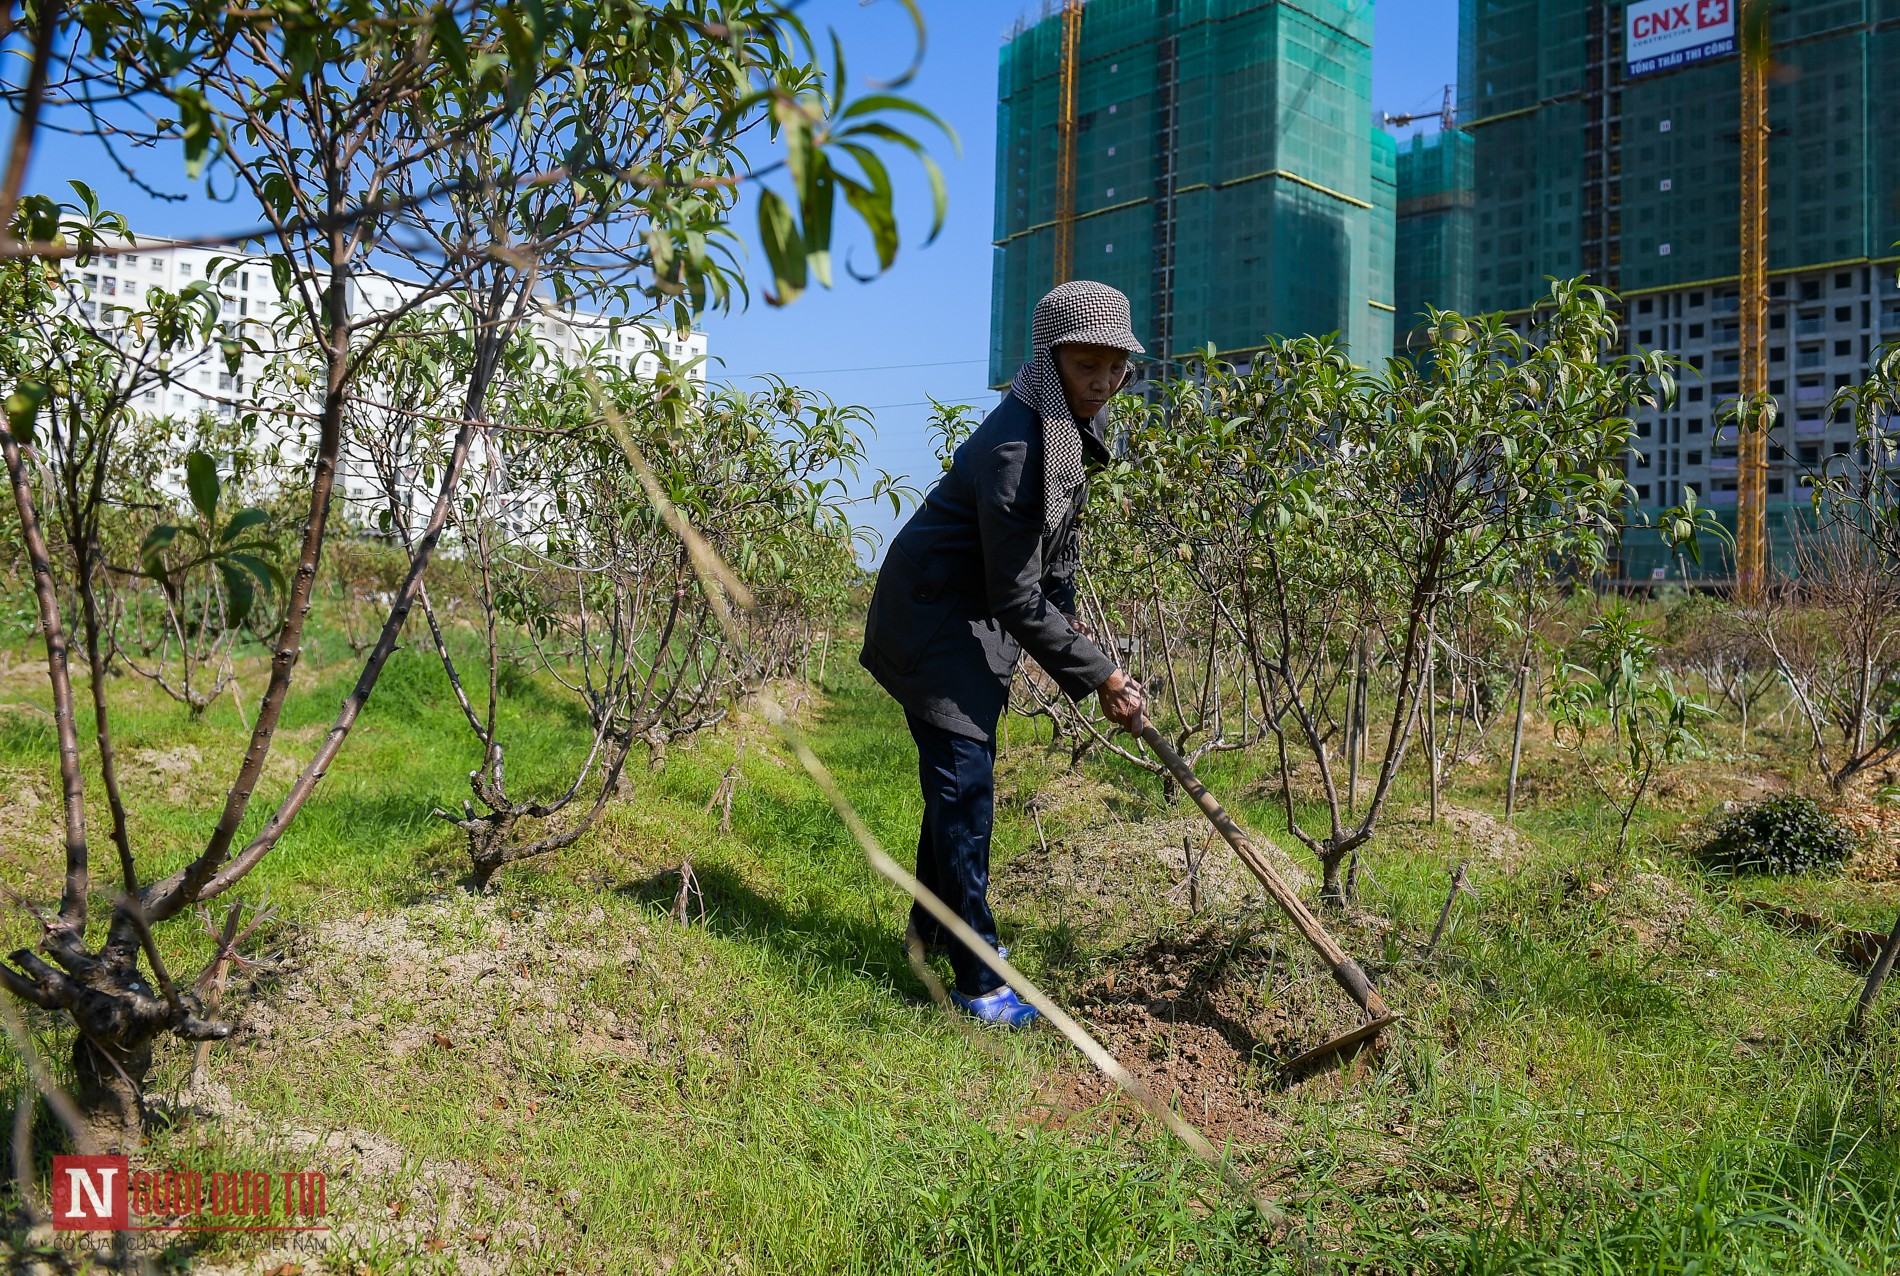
<point x="1344" y="968"/>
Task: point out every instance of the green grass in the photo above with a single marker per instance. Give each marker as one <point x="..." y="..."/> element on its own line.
<point x="1608" y="1067"/>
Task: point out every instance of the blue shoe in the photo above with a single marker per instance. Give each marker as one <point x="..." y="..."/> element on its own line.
<point x="1000" y="1007"/>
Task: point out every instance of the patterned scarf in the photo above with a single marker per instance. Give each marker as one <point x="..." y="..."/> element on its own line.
<point x="1039" y="385"/>
<point x="1079" y="312"/>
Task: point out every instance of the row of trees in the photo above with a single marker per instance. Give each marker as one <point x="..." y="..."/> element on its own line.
<point x="499" y="155"/>
<point x="1343" y="566"/>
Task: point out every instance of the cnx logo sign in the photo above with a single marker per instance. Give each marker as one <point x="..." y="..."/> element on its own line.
<point x="1672" y="18"/>
<point x="1662" y="35"/>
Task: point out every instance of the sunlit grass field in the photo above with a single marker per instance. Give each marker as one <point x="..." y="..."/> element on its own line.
<point x="1607" y="1066"/>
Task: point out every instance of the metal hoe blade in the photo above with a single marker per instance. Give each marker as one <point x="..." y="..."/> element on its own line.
<point x="1345" y="970"/>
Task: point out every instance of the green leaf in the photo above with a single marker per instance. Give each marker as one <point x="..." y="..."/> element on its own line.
<point x="240" y="593"/>
<point x="156" y="542"/>
<point x="268" y="574"/>
<point x="242" y="521"/>
<point x="201" y="480"/>
<point x="23" y="407"/>
<point x="784" y="248"/>
<point x="195" y="115"/>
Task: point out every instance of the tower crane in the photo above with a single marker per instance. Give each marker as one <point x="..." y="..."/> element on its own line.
<point x="1447" y="114"/>
<point x="1065" y="143"/>
<point x="1751" y="514"/>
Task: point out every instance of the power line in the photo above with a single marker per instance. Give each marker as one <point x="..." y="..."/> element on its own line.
<point x="879" y="367"/>
<point x="920" y="403"/>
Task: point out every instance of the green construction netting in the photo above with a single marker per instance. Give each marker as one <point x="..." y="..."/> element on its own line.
<point x="1641" y="556"/>
<point x="1525" y="92"/>
<point x="1433" y="265"/>
<point x="1278" y="226"/>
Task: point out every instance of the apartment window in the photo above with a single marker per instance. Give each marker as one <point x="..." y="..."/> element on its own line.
<point x="1843" y="314"/>
<point x="1695" y="332"/>
<point x="112" y="259"/>
<point x="1810" y="290"/>
<point x="1646" y="337"/>
<point x="131" y="259"/>
<point x="1841" y="380"/>
<point x="1695" y="394"/>
<point x="1646" y="306"/>
<point x="244" y="281"/>
<point x="1840" y="347"/>
<point x="184" y="270"/>
<point x="1841" y="447"/>
<point x="224" y="381"/>
<point x="1642" y="429"/>
<point x="1777" y="387"/>
<point x="1845" y="279"/>
<point x="1778" y="320"/>
<point x="1695" y="425"/>
<point x="1695" y="299"/>
<point x="1642" y="491"/>
<point x="1694" y="458"/>
<point x="158" y="265"/>
<point x="1810" y="453"/>
<point x="1777" y="486"/>
<point x="131" y="287"/>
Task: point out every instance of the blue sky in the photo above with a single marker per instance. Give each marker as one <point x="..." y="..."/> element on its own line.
<point x="933" y="306"/>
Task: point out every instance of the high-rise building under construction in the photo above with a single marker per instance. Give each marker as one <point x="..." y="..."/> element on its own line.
<point x="1213" y="159"/>
<point x="1606" y="143"/>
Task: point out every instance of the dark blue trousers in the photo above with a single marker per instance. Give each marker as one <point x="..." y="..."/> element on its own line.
<point x="953" y="848"/>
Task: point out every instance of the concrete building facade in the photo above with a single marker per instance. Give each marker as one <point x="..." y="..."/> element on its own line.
<point x="1593" y="157"/>
<point x="1227" y="175"/>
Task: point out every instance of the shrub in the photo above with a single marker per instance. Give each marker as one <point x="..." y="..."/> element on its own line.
<point x="1784" y="834"/>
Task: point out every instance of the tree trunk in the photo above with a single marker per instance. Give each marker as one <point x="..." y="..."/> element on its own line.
<point x="1355" y="727"/>
<point x="1517" y="740"/>
<point x="1431" y="717"/>
<point x="108" y="1090"/>
<point x="1332" y="889"/>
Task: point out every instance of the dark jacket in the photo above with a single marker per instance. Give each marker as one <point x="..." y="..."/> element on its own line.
<point x="972" y="581"/>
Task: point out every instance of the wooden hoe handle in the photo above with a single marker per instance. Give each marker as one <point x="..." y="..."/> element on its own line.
<point x="1344" y="968"/>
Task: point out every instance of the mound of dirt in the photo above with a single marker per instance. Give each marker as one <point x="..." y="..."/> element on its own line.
<point x="1486" y="837"/>
<point x="1204" y="1016"/>
<point x="470" y="974"/>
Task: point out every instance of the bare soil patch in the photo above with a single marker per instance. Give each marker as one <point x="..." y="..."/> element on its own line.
<point x="1205" y="1015"/>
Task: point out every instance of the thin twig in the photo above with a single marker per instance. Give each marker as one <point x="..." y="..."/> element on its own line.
<point x="1444" y="914"/>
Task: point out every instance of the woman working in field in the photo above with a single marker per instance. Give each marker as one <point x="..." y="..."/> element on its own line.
<point x="982" y="572"/>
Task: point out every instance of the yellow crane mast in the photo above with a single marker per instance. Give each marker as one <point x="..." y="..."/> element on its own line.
<point x="1751" y="513"/>
<point x="1065" y="143"/>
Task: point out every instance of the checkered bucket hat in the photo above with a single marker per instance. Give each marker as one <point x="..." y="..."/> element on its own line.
<point x="1083" y="313"/>
<point x="1078" y="313"/>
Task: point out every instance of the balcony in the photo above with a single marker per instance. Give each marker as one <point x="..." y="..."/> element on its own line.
<point x="1810" y="325"/>
<point x="1810" y="358"/>
<point x="1810" y="394"/>
<point x="1723" y="466"/>
<point x="1725" y="436"/>
<point x="1809" y="427"/>
<point x="1719" y="498"/>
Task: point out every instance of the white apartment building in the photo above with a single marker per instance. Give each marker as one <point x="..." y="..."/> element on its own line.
<point x="206" y="384"/>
